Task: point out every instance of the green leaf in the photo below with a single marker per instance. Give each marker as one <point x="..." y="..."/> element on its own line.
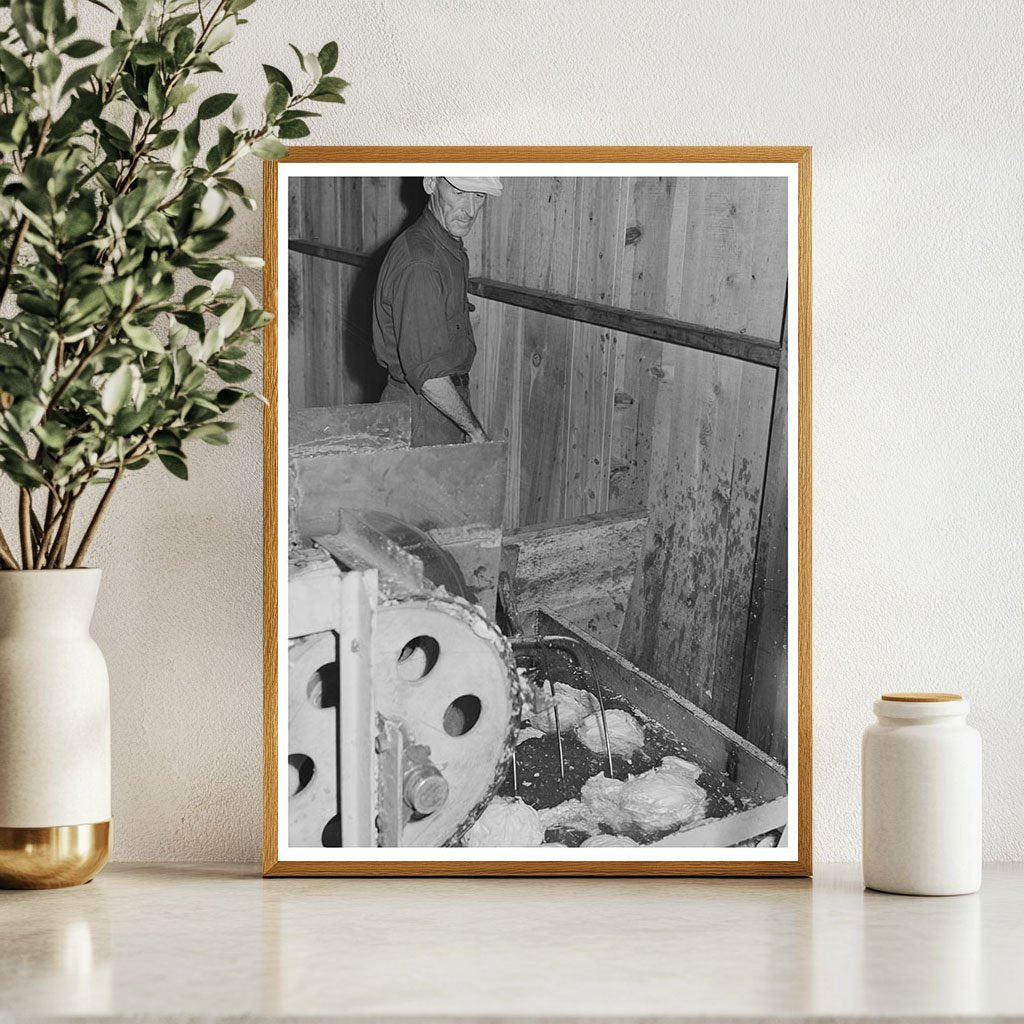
<point x="156" y="101"/>
<point x="232" y="319"/>
<point x="162" y="139"/>
<point x="233" y="373"/>
<point x="193" y="379"/>
<point x="324" y="96"/>
<point x="334" y="84"/>
<point x="16" y="70"/>
<point x="311" y="65"/>
<point x="53" y="435"/>
<point x="116" y="390"/>
<point x="109" y="65"/>
<point x="21" y="471"/>
<point x="184" y="44"/>
<point x="274" y="76"/>
<point x="83" y="48"/>
<point x="276" y="100"/>
<point x="26" y="414"/>
<point x="53" y="14"/>
<point x="36" y="304"/>
<point x="195" y="296"/>
<point x="149" y="53"/>
<point x="133" y="12"/>
<point x="227" y="397"/>
<point x="49" y="68"/>
<point x="269" y="149"/>
<point x="181" y="94"/>
<point x="328" y="57"/>
<point x="78" y="78"/>
<point x="292" y="130"/>
<point x="26" y="20"/>
<point x="214" y="105"/>
<point x="222" y="282"/>
<point x="211" y="433"/>
<point x="128" y="421"/>
<point x="175" y="465"/>
<point x="221" y="35"/>
<point x="144" y="338"/>
<point x="129" y="207"/>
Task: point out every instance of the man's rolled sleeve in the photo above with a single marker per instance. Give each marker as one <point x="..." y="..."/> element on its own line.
<point x="421" y="325"/>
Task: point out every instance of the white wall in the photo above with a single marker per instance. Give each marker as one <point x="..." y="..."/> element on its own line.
<point x="914" y="113"/>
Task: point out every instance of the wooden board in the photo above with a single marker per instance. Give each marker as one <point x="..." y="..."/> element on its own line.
<point x="651" y="223"/>
<point x="716" y="833"/>
<point x="591" y="395"/>
<point x="431" y="488"/>
<point x="581" y="568"/>
<point x="372" y="426"/>
<point x="764" y="699"/>
<point x="549" y="209"/>
<point x="496" y="380"/>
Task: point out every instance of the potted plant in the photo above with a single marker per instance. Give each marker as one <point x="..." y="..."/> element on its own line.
<point x="122" y="341"/>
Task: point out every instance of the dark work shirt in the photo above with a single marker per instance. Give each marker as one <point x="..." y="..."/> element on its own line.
<point x="420" y="311"/>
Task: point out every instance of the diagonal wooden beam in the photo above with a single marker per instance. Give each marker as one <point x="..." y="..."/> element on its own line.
<point x="745" y="347"/>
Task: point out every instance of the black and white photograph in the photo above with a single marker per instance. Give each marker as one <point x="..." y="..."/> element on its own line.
<point x="537" y="493"/>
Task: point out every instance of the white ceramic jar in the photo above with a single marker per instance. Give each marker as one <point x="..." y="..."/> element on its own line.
<point x="921" y="778"/>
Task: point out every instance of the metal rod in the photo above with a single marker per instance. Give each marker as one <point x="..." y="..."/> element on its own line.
<point x="515" y="773"/>
<point x="558" y="731"/>
<point x="578" y="652"/>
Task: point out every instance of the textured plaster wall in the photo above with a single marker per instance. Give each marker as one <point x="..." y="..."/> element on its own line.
<point x="914" y="113"/>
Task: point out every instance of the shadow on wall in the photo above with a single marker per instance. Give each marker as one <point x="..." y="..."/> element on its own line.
<point x="363" y="380"/>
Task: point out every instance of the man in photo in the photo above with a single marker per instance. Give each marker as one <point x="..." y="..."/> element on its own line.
<point x="421" y="329"/>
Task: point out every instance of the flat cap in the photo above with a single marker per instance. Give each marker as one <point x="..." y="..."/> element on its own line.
<point x="489" y="186"/>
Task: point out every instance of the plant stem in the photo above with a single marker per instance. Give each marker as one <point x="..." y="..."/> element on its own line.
<point x="60" y="544"/>
<point x="25" y="522"/>
<point x="54" y="508"/>
<point x="87" y="357"/>
<point x="6" y="554"/>
<point x="94" y="523"/>
<point x="12" y="255"/>
<point x="19" y="234"/>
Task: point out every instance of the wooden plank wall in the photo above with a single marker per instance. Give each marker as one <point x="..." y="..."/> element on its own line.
<point x="687" y="617"/>
<point x="330" y="305"/>
<point x="600" y="421"/>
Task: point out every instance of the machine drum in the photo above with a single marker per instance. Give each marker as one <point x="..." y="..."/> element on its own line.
<point x="446" y="677"/>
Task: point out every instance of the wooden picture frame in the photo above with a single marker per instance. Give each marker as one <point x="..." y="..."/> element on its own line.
<point x="588" y="317"/>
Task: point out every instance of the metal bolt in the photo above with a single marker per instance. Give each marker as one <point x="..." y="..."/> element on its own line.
<point x="425" y="789"/>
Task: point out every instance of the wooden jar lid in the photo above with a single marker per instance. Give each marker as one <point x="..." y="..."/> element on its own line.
<point x="921" y="698"/>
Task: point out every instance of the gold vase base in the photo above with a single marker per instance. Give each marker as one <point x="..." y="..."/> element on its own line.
<point x="53" y="857"/>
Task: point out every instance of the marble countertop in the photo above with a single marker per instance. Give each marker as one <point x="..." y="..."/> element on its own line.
<point x="176" y="942"/>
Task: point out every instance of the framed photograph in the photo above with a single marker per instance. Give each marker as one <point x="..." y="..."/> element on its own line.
<point x="538" y="512"/>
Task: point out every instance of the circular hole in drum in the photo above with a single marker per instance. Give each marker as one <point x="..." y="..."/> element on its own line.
<point x="322" y="688"/>
<point x="300" y="771"/>
<point x="462" y="714"/>
<point x="417" y="658"/>
<point x="331" y="834"/>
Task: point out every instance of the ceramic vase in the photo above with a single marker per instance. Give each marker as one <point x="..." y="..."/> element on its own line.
<point x="54" y="731"/>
